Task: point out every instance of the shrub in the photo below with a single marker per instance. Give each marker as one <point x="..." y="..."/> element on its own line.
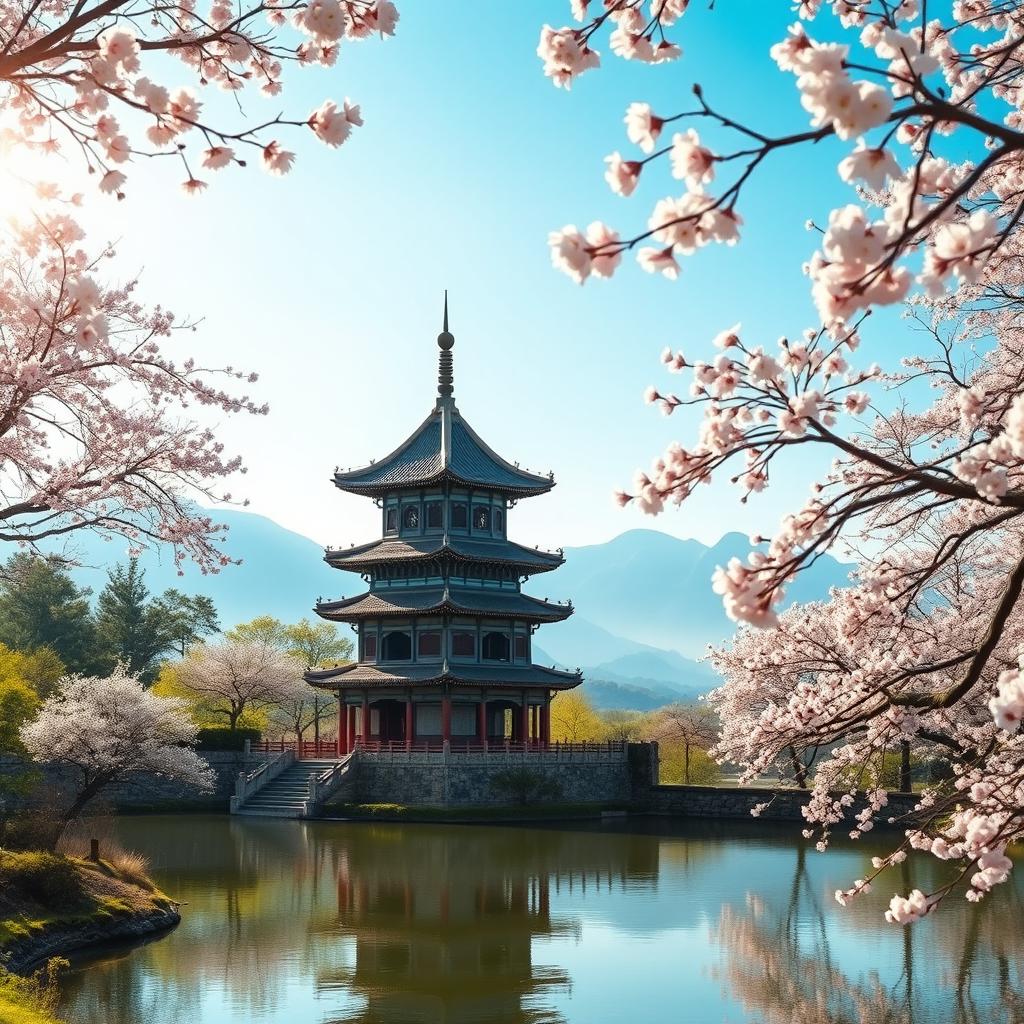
<point x="222" y="738"/>
<point x="29" y="829"/>
<point x="48" y="879"/>
<point x="525" y="786"/>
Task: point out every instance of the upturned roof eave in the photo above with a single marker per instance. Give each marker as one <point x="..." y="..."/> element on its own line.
<point x="334" y="679"/>
<point x="373" y="489"/>
<point x="363" y="558"/>
<point x="543" y="613"/>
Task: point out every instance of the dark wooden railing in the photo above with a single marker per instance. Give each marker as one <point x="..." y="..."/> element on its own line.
<point x="329" y="748"/>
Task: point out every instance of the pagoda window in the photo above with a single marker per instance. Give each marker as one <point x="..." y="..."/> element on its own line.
<point x="411" y="517"/>
<point x="460" y="515"/>
<point x="369" y="647"/>
<point x="463" y="645"/>
<point x="435" y="515"/>
<point x="522" y="645"/>
<point x="482" y="518"/>
<point x="428" y="644"/>
<point x="499" y="520"/>
<point x="396" y="646"/>
<point x="495" y="647"/>
<point x="391" y="520"/>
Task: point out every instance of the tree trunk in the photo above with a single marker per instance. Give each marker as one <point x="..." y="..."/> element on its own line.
<point x="74" y="809"/>
<point x="905" y="783"/>
<point x="799" y="768"/>
<point x="686" y="763"/>
<point x="316" y="722"/>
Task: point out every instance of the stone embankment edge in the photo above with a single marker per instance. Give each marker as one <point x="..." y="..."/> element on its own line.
<point x="23" y="955"/>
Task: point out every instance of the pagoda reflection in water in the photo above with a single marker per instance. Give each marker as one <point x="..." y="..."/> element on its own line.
<point x="446" y="936"/>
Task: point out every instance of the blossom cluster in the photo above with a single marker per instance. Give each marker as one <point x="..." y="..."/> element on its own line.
<point x="64" y="73"/>
<point x="93" y="422"/>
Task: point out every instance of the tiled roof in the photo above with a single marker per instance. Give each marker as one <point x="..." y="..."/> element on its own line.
<point x="443" y="446"/>
<point x="359" y="674"/>
<point x="465" y="548"/>
<point x="423" y="600"/>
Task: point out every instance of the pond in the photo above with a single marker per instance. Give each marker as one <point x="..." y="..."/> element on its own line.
<point x="726" y="923"/>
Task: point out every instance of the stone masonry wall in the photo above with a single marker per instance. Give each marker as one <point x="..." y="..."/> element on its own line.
<point x="439" y="780"/>
<point x="735" y="802"/>
<point x="142" y="792"/>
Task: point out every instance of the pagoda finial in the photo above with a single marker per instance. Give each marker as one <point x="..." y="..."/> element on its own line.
<point x="445" y="363"/>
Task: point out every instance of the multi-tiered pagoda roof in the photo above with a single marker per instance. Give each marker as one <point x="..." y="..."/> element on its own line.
<point x="444" y="616"/>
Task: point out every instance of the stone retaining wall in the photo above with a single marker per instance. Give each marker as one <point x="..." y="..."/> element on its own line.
<point x="737" y="802"/>
<point x="139" y="792"/>
<point x="453" y="779"/>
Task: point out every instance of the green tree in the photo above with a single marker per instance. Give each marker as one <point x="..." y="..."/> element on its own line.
<point x="573" y="718"/>
<point x="318" y="644"/>
<point x="188" y="618"/>
<point x="41" y="669"/>
<point x="264" y="629"/>
<point x="18" y="703"/>
<point x="623" y="725"/>
<point x="131" y="628"/>
<point x="313" y="645"/>
<point x="41" y="606"/>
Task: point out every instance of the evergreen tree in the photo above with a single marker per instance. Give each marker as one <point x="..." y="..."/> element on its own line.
<point x="131" y="628"/>
<point x="41" y="606"/>
<point x="188" y="618"/>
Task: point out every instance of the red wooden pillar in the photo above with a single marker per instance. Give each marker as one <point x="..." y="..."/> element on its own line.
<point x="545" y="723"/>
<point x="365" y="724"/>
<point x="446" y="719"/>
<point x="351" y="725"/>
<point x="342" y="725"/>
<point x="481" y="722"/>
<point x="409" y="722"/>
<point x="524" y="723"/>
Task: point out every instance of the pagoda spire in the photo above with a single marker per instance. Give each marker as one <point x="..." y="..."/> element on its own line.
<point x="445" y="363"/>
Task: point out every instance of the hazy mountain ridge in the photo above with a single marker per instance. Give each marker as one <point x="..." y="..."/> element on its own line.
<point x="645" y="610"/>
<point x="656" y="589"/>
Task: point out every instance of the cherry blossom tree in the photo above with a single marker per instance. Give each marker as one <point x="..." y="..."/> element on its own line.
<point x="926" y="105"/>
<point x="693" y="726"/>
<point x="92" y="79"/>
<point x="101" y="730"/>
<point x="95" y="424"/>
<point x="236" y="677"/>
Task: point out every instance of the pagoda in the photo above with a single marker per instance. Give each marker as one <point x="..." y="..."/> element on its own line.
<point x="444" y="630"/>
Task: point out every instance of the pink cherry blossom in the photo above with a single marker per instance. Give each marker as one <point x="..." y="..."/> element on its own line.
<point x="691" y="161"/>
<point x="276" y="160"/>
<point x="642" y="126"/>
<point x="870" y="165"/>
<point x="622" y="175"/>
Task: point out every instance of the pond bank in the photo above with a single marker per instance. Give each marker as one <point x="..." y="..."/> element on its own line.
<point x="52" y="905"/>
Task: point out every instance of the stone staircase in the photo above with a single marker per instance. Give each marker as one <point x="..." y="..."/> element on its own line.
<point x="285" y="796"/>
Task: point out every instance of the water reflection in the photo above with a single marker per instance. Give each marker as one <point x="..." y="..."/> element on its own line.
<point x="328" y="923"/>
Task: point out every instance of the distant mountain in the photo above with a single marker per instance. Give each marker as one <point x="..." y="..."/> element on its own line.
<point x="656" y="589"/>
<point x="641" y="679"/>
<point x="644" y="605"/>
<point x="282" y="573"/>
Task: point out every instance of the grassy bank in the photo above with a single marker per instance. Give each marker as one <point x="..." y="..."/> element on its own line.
<point x="50" y="903"/>
<point x="533" y="812"/>
<point x="28" y="1000"/>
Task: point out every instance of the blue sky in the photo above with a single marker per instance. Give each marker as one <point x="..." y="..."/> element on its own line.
<point x="329" y="282"/>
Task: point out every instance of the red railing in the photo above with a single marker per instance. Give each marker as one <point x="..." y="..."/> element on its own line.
<point x="329" y="748"/>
